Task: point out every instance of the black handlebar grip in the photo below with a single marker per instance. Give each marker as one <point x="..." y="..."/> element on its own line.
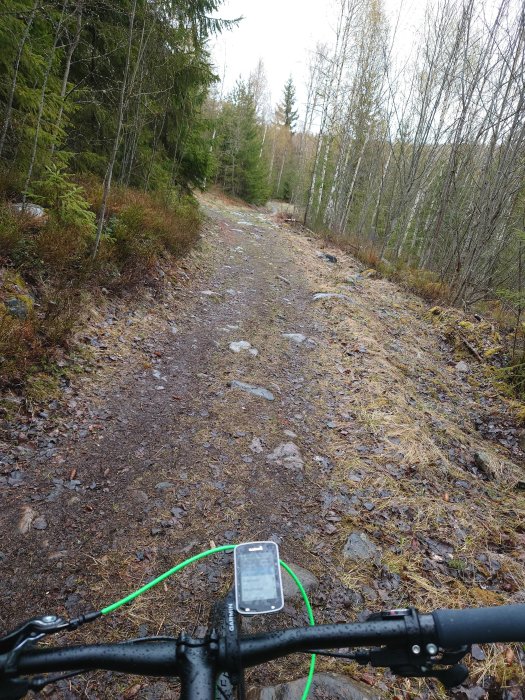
<point x="455" y="628"/>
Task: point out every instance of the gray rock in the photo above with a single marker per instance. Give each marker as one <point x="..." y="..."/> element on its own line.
<point x="34" y="210"/>
<point x="331" y="295"/>
<point x="326" y="686"/>
<point x="290" y="590"/>
<point x="295" y="337"/>
<point x="164" y="486"/>
<point x="17" y="308"/>
<point x="288" y="455"/>
<point x="256" y="445"/>
<point x="251" y="389"/>
<point x="326" y="256"/>
<point x="359" y="547"/>
<point x="485" y="464"/>
<point x="243" y="345"/>
<point x="141" y="496"/>
<point x="40" y="523"/>
<point x="462" y="367"/>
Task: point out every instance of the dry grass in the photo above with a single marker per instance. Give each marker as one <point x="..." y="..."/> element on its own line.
<point x="454" y="536"/>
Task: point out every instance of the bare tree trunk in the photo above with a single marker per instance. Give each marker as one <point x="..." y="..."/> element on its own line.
<point x="71" y="50"/>
<point x="41" y="104"/>
<point x="344" y="219"/>
<point x="116" y="141"/>
<point x="9" y="105"/>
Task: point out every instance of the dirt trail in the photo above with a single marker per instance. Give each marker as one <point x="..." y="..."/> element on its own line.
<point x="370" y="431"/>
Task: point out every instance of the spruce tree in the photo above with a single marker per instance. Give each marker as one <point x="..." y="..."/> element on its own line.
<point x="286" y="115"/>
<point x="241" y="170"/>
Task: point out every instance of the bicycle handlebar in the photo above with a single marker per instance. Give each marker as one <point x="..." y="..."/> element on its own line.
<point x="505" y="623"/>
<point x="145" y="658"/>
<point x="408" y="642"/>
<point x="448" y="629"/>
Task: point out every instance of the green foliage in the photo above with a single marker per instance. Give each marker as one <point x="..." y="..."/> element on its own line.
<point x="241" y="168"/>
<point x="66" y="200"/>
<point x="11" y="233"/>
<point x="61" y="72"/>
<point x="286" y="114"/>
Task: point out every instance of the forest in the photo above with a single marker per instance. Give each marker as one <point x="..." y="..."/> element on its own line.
<point x="111" y="115"/>
<point x="102" y="140"/>
<point x="416" y="165"/>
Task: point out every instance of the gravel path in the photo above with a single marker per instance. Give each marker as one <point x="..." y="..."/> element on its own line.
<point x="237" y="405"/>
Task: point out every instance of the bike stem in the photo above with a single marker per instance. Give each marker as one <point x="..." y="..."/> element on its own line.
<point x="197" y="666"/>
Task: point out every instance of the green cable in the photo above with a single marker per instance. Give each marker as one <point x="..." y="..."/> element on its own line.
<point x="163" y="576"/>
<point x="196" y="557"/>
<point x="311" y="620"/>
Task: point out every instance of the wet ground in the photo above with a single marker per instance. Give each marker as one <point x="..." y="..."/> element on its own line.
<point x="340" y="426"/>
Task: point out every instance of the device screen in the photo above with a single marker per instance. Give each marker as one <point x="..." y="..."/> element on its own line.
<point x="257" y="578"/>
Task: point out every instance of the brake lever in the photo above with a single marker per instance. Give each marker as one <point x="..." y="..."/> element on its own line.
<point x="28" y="633"/>
<point x="449" y="677"/>
<point x="32" y="630"/>
<point x="414" y="664"/>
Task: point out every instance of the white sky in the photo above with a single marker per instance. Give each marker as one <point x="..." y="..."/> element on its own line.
<point x="283" y="32"/>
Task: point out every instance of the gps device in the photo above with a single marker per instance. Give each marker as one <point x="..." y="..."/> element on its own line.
<point x="258" y="585"/>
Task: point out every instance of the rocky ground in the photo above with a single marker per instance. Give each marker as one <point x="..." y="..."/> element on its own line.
<point x="265" y="389"/>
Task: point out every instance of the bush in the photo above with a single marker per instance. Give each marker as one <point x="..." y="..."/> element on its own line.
<point x="136" y="247"/>
<point x="56" y="256"/>
<point x="62" y="248"/>
<point x="65" y="199"/>
<point x="142" y="228"/>
<point x="11" y="233"/>
<point x="19" y="348"/>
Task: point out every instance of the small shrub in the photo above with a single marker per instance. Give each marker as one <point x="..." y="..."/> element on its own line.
<point x="135" y="246"/>
<point x="425" y="283"/>
<point x="19" y="348"/>
<point x="11" y="233"/>
<point x="62" y="247"/>
<point x="180" y="225"/>
<point x="64" y="198"/>
<point x="370" y="256"/>
<point x="62" y="311"/>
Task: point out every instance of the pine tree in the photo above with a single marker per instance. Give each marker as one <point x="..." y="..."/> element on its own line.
<point x="84" y="90"/>
<point x="286" y="115"/>
<point x="241" y="170"/>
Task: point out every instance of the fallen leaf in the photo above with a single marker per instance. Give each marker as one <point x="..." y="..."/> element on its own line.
<point x="132" y="691"/>
<point x="72" y="474"/>
<point x="368" y="679"/>
<point x="28" y="515"/>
